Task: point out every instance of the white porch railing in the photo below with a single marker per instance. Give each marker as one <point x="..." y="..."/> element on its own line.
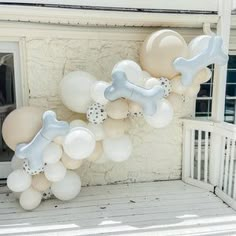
<point x="198" y="148"/>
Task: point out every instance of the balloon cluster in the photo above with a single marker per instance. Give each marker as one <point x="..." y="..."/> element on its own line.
<point x="47" y="151"/>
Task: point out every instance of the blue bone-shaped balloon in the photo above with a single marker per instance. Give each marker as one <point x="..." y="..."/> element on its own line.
<point x="122" y="88"/>
<point x="33" y="151"/>
<point x="212" y="54"/>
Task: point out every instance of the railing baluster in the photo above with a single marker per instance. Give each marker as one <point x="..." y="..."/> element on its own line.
<point x="226" y="165"/>
<point x="192" y="152"/>
<point x="206" y="158"/>
<point x="231" y="165"/>
<point x="199" y="154"/>
<point x="222" y="163"/>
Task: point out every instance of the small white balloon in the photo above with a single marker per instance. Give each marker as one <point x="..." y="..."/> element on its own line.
<point x="52" y="153"/>
<point x="30" y="199"/>
<point x="16" y="163"/>
<point x="97" y="92"/>
<point x="151" y="82"/>
<point x="68" y="188"/>
<point x="118" y="149"/>
<point x="97" y="130"/>
<point x="132" y="70"/>
<point x="79" y="143"/>
<point x="19" y="181"/>
<point x="163" y="115"/>
<point x="55" y="172"/>
<point x="77" y="123"/>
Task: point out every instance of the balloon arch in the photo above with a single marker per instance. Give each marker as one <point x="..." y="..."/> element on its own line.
<point x="48" y="151"/>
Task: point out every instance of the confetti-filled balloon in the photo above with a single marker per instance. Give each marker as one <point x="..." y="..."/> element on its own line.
<point x="68" y="188"/>
<point x="47" y="194"/>
<point x="166" y="85"/>
<point x="96" y="113"/>
<point x="29" y="171"/>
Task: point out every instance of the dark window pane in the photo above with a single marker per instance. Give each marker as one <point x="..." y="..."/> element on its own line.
<point x="205" y="90"/>
<point x="230" y="110"/>
<point x="231" y="90"/>
<point x="231" y="75"/>
<point x="232" y="62"/>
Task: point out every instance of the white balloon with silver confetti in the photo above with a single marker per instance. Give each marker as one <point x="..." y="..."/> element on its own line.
<point x="96" y="113"/>
<point x="29" y="171"/>
<point x="166" y="85"/>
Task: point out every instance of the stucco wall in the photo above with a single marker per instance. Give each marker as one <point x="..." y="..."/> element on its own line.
<point x="157" y="152"/>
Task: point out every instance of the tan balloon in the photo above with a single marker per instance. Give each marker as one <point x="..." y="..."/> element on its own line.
<point x="40" y="182"/>
<point x="202" y="76"/>
<point x="177" y="86"/>
<point x="70" y="163"/>
<point x="135" y="109"/>
<point x="118" y="109"/>
<point x="192" y="91"/>
<point x="21" y="125"/>
<point x="159" y="51"/>
<point x="114" y="128"/>
<point x="176" y="101"/>
<point x="97" y="153"/>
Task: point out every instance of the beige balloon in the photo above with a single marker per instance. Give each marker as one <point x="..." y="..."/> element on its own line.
<point x="159" y="51"/>
<point x="70" y="163"/>
<point x="177" y="86"/>
<point x="118" y="109"/>
<point x="21" y="125"/>
<point x="135" y="109"/>
<point x="114" y="128"/>
<point x="97" y="153"/>
<point x="176" y="101"/>
<point x="40" y="182"/>
<point x="192" y="91"/>
<point x="202" y="76"/>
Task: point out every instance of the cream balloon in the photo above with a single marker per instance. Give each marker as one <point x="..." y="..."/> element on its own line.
<point x="21" y="125"/>
<point x="132" y="70"/>
<point x="30" y="199"/>
<point x="75" y="90"/>
<point x="59" y="140"/>
<point x="177" y="86"/>
<point x="202" y="76"/>
<point x="19" y="181"/>
<point x="79" y="143"/>
<point x="16" y="163"/>
<point x="97" y="130"/>
<point x="97" y="92"/>
<point x="159" y="51"/>
<point x="55" y="172"/>
<point x="102" y="159"/>
<point x="118" y="109"/>
<point x="52" y="153"/>
<point x="151" y="82"/>
<point x="70" y="163"/>
<point x="176" y="102"/>
<point x="114" y="128"/>
<point x="117" y="149"/>
<point x="68" y="188"/>
<point x="78" y="123"/>
<point x="97" y="153"/>
<point x="192" y="91"/>
<point x="135" y="110"/>
<point x="163" y="115"/>
<point x="40" y="182"/>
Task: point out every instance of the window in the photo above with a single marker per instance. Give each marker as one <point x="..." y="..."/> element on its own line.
<point x="204" y="99"/>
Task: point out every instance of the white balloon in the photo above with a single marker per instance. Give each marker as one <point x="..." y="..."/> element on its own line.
<point x="52" y="153"/>
<point x="55" y="172"/>
<point x="117" y="149"/>
<point x="163" y="115"/>
<point x="97" y="92"/>
<point x="75" y="90"/>
<point x="151" y="82"/>
<point x="16" y="163"/>
<point x="132" y="70"/>
<point x="68" y="188"/>
<point x="97" y="130"/>
<point x="19" y="181"/>
<point x="77" y="123"/>
<point x="30" y="199"/>
<point x="79" y="143"/>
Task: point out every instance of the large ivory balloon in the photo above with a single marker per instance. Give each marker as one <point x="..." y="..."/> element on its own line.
<point x="97" y="130"/>
<point x="97" y="92"/>
<point x="21" y="125"/>
<point x="68" y="188"/>
<point x="97" y="153"/>
<point x="30" y="199"/>
<point x="40" y="182"/>
<point x="117" y="149"/>
<point x="163" y="115"/>
<point x="70" y="163"/>
<point x="159" y="51"/>
<point x="75" y="90"/>
<point x="118" y="109"/>
<point x="19" y="181"/>
<point x="55" y="172"/>
<point x="132" y="70"/>
<point x="79" y="143"/>
<point x="52" y="153"/>
<point x="114" y="128"/>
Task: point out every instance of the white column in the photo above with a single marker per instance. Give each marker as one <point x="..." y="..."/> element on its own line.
<point x="219" y="87"/>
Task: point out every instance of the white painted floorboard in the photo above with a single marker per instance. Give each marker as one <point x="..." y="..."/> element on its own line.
<point x="159" y="208"/>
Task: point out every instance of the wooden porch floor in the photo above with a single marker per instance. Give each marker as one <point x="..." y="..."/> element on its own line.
<point x="159" y="208"/>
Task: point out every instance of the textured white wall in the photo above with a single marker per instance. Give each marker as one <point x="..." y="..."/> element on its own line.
<point x="157" y="152"/>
